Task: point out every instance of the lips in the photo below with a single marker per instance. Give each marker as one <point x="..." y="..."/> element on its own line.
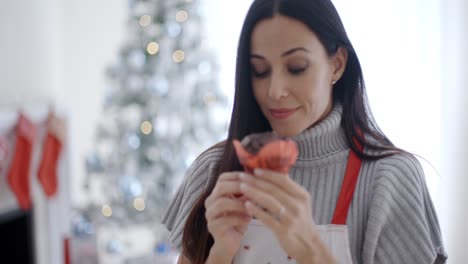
<point x="282" y="113"/>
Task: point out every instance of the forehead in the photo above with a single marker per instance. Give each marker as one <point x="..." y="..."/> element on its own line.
<point x="280" y="33"/>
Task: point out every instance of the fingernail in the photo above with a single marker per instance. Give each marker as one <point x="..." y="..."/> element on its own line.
<point x="248" y="206"/>
<point x="258" y="172"/>
<point x="244" y="187"/>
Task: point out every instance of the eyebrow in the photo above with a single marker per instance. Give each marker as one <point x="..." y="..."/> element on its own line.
<point x="286" y="53"/>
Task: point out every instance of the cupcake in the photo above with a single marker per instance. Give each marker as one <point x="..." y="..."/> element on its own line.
<point x="266" y="151"/>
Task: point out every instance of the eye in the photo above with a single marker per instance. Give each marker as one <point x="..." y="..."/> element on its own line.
<point x="297" y="70"/>
<point x="298" y="66"/>
<point x="259" y="73"/>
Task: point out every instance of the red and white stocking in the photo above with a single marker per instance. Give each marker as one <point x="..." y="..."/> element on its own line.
<point x="51" y="151"/>
<point x="18" y="174"/>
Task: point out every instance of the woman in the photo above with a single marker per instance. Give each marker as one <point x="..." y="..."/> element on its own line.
<point x="299" y="76"/>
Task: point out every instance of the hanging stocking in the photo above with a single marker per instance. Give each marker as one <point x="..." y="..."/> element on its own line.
<point x="18" y="175"/>
<point x="3" y="152"/>
<point x="51" y="154"/>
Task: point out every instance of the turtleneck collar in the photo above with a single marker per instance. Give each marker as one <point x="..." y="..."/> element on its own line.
<point x="324" y="138"/>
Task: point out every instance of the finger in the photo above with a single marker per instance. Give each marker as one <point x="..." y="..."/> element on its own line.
<point x="220" y="225"/>
<point x="282" y="181"/>
<point x="267" y="187"/>
<point x="243" y="227"/>
<point x="266" y="218"/>
<point x="223" y="178"/>
<point x="225" y="206"/>
<point x="229" y="176"/>
<point x="223" y="189"/>
<point x="263" y="199"/>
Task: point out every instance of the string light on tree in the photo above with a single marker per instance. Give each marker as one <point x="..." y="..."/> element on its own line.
<point x="182" y="16"/>
<point x="106" y="210"/>
<point x="178" y="56"/>
<point x="152" y="48"/>
<point x="209" y="98"/>
<point x="146" y="127"/>
<point x="139" y="204"/>
<point x="145" y="20"/>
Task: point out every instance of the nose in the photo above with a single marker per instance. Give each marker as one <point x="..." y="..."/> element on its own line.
<point x="278" y="87"/>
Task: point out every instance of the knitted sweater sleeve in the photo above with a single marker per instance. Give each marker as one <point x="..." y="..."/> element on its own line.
<point x="193" y="185"/>
<point x="402" y="225"/>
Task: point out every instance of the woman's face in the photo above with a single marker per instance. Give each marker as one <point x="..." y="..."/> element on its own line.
<point x="292" y="74"/>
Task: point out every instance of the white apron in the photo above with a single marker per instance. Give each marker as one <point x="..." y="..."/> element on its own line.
<point x="260" y="245"/>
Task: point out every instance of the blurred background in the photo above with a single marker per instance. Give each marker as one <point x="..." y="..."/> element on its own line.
<point x="104" y="105"/>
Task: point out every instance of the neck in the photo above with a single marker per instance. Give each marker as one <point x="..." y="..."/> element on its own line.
<point x="324" y="138"/>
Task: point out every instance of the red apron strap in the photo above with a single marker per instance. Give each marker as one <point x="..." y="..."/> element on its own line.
<point x="347" y="187"/>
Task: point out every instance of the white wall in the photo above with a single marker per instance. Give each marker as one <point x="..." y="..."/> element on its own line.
<point x="28" y="48"/>
<point x="93" y="32"/>
<point x="223" y="22"/>
<point x="454" y="98"/>
<point x="399" y="46"/>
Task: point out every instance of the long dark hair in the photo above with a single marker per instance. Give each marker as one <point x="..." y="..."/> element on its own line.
<point x="323" y="19"/>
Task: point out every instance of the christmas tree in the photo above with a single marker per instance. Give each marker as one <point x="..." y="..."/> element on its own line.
<point x="161" y="109"/>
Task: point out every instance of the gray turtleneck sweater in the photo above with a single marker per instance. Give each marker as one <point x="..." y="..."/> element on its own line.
<point x="391" y="218"/>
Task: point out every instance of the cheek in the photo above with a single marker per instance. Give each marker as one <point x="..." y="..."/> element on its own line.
<point x="259" y="92"/>
<point x="315" y="94"/>
<point x="256" y="95"/>
<point x="319" y="75"/>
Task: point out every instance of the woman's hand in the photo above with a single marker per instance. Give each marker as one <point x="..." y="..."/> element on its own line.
<point x="285" y="207"/>
<point x="227" y="217"/>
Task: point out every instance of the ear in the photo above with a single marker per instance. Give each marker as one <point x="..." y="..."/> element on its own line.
<point x="339" y="61"/>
